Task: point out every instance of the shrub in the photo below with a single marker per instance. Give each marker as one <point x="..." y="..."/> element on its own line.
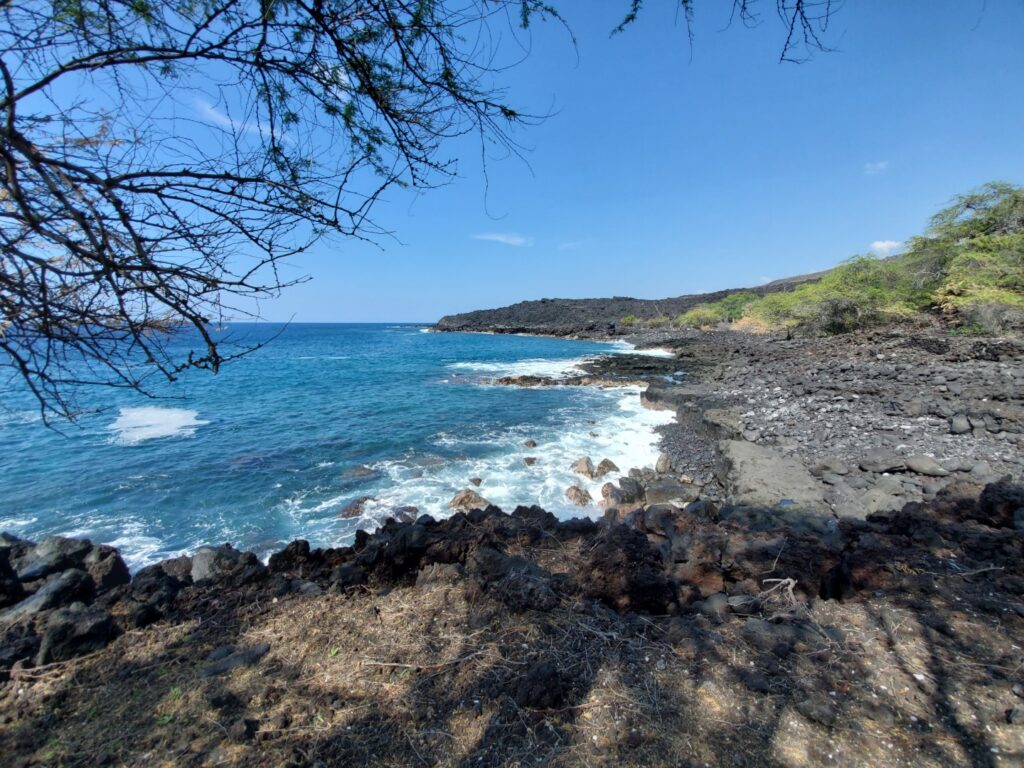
<point x="658" y="322"/>
<point x="628" y="320"/>
<point x="969" y="265"/>
<point x="984" y="284"/>
<point x="726" y="310"/>
<point x="732" y="306"/>
<point x="701" y="316"/>
<point x="861" y="292"/>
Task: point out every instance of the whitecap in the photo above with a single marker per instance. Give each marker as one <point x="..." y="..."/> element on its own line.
<point x="139" y="550"/>
<point x="530" y="367"/>
<point x="623" y="431"/>
<point x="136" y="425"/>
<point x="625" y="348"/>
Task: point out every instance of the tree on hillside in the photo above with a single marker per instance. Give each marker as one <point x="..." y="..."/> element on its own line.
<point x="161" y="160"/>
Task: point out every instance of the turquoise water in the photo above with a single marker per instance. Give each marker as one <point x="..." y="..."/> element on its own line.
<point x="271" y="448"/>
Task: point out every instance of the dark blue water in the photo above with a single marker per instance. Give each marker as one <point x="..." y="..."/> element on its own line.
<point x="272" y="447"/>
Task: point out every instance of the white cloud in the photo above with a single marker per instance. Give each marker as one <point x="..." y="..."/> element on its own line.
<point x="215" y="116"/>
<point x="885" y="247"/>
<point x="876" y="167"/>
<point x="571" y="246"/>
<point x="763" y="279"/>
<point x="505" y="238"/>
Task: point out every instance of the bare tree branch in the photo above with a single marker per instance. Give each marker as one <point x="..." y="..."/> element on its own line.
<point x="160" y="161"/>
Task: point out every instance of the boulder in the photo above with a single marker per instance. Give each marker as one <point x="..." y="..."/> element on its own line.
<point x="670" y="491"/>
<point x="11" y="590"/>
<point x="578" y="496"/>
<point x="477" y="481"/>
<point x="624" y="571"/>
<point x="664" y="464"/>
<point x="293" y="557"/>
<point x="16" y="548"/>
<point x="17" y="642"/>
<point x="530" y="461"/>
<point x="605" y="467"/>
<point x="611" y="496"/>
<point x="154" y="584"/>
<point x="759" y="476"/>
<point x="515" y="581"/>
<point x="215" y="562"/>
<point x="405" y="549"/>
<point x="406" y="514"/>
<point x="51" y="555"/>
<point x="881" y="460"/>
<point x="60" y="589"/>
<point x="925" y="465"/>
<point x="347" y="576"/>
<point x="354" y="508"/>
<point x="75" y="631"/>
<point x="1001" y="505"/>
<point x="959" y="424"/>
<point x="830" y="465"/>
<point x="630" y="489"/>
<point x="179" y="567"/>
<point x="530" y="443"/>
<point x="106" y="568"/>
<point x="583" y="466"/>
<point x="468" y="499"/>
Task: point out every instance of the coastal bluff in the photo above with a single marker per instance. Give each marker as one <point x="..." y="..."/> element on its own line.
<point x="594" y="318"/>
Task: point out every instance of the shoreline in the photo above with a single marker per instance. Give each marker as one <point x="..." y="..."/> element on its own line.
<point x="775" y="569"/>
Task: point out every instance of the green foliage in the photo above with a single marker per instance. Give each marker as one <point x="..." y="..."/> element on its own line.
<point x="725" y="310"/>
<point x="997" y="208"/>
<point x="658" y="322"/>
<point x="628" y="320"/>
<point x="701" y="316"/>
<point x="861" y="292"/>
<point x="969" y="265"/>
<point x="984" y="283"/>
<point x="732" y="305"/>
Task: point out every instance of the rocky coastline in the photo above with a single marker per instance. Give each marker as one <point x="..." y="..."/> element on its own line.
<point x="595" y="318"/>
<point x="825" y="566"/>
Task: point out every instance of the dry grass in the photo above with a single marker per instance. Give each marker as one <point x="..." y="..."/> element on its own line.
<point x="427" y="675"/>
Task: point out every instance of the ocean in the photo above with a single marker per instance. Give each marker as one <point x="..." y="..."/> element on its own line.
<point x="272" y="447"/>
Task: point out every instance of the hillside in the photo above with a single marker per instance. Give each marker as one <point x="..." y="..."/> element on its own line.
<point x="595" y="317"/>
<point x="966" y="272"/>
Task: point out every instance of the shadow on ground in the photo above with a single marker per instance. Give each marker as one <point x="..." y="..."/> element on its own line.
<point x="493" y="640"/>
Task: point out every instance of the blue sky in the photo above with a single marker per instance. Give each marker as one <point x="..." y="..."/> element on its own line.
<point x="665" y="170"/>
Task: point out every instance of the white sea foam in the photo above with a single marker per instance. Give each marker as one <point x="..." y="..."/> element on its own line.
<point x="625" y="348"/>
<point x="136" y="425"/>
<point x="140" y="550"/>
<point x="625" y="435"/>
<point x="533" y="367"/>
